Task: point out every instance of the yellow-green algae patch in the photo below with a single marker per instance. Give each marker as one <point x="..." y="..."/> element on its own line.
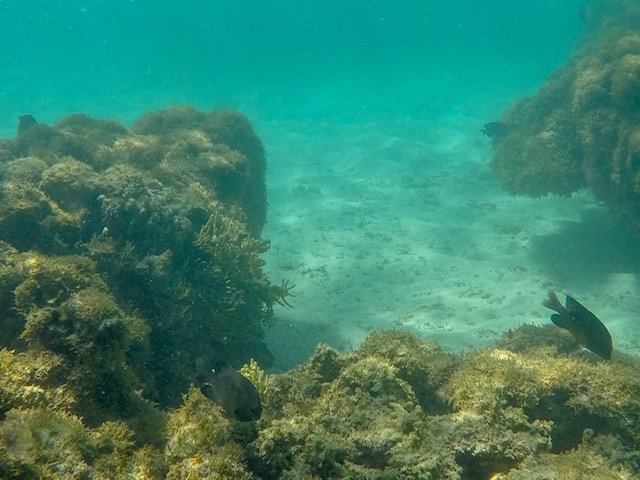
<point x="26" y="381"/>
<point x="135" y="255"/>
<point x="518" y="411"/>
<point x="201" y="442"/>
<point x="42" y="443"/>
<point x="481" y="414"/>
<point x="581" y="129"/>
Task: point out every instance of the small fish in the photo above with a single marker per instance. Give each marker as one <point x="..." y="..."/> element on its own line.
<point x="234" y="393"/>
<point x="585" y="326"/>
<point x="25" y="122"/>
<point x="495" y="129"/>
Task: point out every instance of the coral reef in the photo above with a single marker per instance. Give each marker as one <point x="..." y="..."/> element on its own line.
<point x="580" y="129"/>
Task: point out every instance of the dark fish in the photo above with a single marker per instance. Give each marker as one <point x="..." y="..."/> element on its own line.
<point x="495" y="129"/>
<point x="25" y="122"/>
<point x="585" y="326"/>
<point x="235" y="394"/>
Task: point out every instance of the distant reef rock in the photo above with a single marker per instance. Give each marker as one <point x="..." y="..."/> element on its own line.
<point x="399" y="407"/>
<point x="127" y="259"/>
<point x="582" y="129"/>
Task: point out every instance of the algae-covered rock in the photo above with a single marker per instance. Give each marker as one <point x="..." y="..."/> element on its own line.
<point x="136" y="255"/>
<point x="580" y="129"/>
<point x="591" y="460"/>
<point x="201" y="442"/>
<point x="575" y="394"/>
<point x="422" y="364"/>
<point x="70" y="183"/>
<point x="40" y="443"/>
<point x="127" y="260"/>
<point x="221" y="141"/>
<point x="480" y="415"/>
<point x="512" y="412"/>
<point x="27" y="380"/>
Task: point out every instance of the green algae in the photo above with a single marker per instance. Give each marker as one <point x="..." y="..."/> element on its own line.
<point x="137" y="260"/>
<point x="27" y="381"/>
<point x="201" y="442"/>
<point x="112" y="274"/>
<point x="580" y="130"/>
<point x="480" y="415"/>
<point x="501" y="413"/>
<point x="136" y="253"/>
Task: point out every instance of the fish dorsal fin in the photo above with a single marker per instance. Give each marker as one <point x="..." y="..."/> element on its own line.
<point x="573" y="304"/>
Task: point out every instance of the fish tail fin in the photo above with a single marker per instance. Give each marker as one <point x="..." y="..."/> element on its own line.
<point x="552" y="302"/>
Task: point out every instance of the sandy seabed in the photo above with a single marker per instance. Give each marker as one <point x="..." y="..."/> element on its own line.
<point x="394" y="220"/>
<point x="398" y="223"/>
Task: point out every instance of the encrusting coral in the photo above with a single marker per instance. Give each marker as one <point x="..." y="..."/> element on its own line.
<point x="580" y="129"/>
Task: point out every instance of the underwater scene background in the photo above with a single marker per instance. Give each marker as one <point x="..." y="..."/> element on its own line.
<point x="188" y="186"/>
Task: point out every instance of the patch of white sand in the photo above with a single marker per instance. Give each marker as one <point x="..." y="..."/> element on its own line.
<point x="398" y="223"/>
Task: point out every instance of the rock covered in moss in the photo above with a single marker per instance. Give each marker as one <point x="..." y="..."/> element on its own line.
<point x="575" y="394"/>
<point x="66" y="309"/>
<point x="135" y="256"/>
<point x="200" y="442"/>
<point x="42" y="443"/>
<point x="127" y="258"/>
<point x="358" y="416"/>
<point x="223" y="145"/>
<point x="580" y="129"/>
<point x="590" y="460"/>
<point x="26" y="381"/>
<point x="479" y="415"/>
<point x="515" y="412"/>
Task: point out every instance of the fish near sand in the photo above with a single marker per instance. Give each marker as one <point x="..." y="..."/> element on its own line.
<point x="584" y="325"/>
<point x="235" y="394"/>
<point x="25" y="122"/>
<point x="495" y="129"/>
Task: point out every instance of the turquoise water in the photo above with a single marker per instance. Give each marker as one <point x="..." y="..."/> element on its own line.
<point x="120" y="58"/>
<point x="383" y="211"/>
<point x="382" y="206"/>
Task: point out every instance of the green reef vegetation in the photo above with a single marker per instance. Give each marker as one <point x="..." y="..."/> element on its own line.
<point x="398" y="407"/>
<point x="129" y="258"/>
<point x="582" y="129"/>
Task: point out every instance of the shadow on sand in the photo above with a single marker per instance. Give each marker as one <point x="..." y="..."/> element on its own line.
<point x="587" y="252"/>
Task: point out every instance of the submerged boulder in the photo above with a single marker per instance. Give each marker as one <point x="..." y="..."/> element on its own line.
<point x="397" y="407"/>
<point x="581" y="129"/>
<point x="134" y="255"/>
